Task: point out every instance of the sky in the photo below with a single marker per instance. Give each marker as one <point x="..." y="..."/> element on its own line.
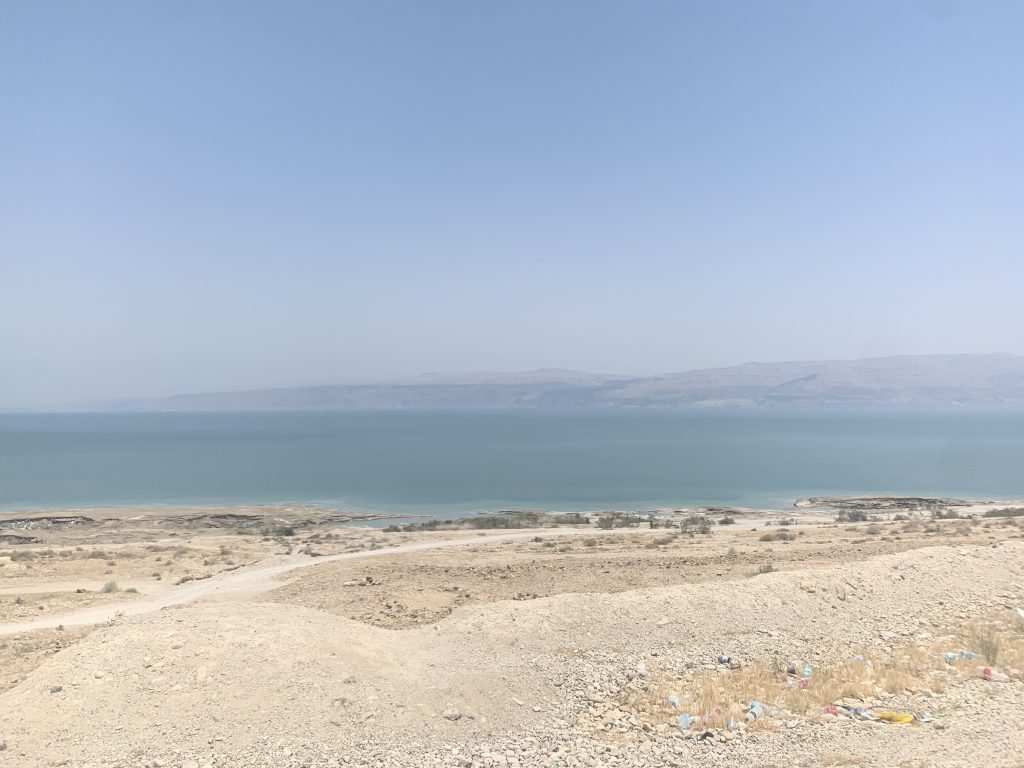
<point x="203" y="196"/>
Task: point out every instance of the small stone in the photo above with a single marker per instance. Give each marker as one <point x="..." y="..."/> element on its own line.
<point x="451" y="714"/>
<point x="98" y="675"/>
<point x="56" y="688"/>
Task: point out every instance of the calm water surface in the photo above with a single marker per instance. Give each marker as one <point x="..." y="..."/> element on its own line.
<point x="451" y="463"/>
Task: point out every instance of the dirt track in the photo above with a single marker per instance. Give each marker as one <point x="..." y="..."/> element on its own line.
<point x="243" y="583"/>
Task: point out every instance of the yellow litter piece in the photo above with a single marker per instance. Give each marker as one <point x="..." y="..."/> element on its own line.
<point x="894" y="717"/>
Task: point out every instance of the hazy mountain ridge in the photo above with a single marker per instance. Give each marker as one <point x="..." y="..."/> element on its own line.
<point x="926" y="380"/>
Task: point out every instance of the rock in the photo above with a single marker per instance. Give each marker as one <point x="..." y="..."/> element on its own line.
<point x="56" y="688"/>
<point x="451" y="714"/>
<point x="98" y="675"/>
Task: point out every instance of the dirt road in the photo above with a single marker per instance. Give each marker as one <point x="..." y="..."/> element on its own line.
<point x="253" y="580"/>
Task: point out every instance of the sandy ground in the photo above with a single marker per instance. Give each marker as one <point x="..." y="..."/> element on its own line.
<point x="289" y="639"/>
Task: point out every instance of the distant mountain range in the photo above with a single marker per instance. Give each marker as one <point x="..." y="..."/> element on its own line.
<point x="910" y="381"/>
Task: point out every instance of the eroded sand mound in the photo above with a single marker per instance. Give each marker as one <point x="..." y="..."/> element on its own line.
<point x="273" y="684"/>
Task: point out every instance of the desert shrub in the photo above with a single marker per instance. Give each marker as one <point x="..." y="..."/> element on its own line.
<point x="695" y="524"/>
<point x="1006" y="512"/>
<point x="284" y="530"/>
<point x="852" y="516"/>
<point x="110" y="586"/>
<point x="765" y="568"/>
<point x="727" y="520"/>
<point x="987" y="643"/>
<point x="787" y="521"/>
<point x="945" y="514"/>
<point x="590" y="542"/>
<point x="778" y="536"/>
<point x="569" y="518"/>
<point x="132" y="590"/>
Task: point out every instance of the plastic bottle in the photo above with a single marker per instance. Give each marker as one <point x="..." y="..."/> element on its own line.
<point x="684" y="721"/>
<point x="673" y="701"/>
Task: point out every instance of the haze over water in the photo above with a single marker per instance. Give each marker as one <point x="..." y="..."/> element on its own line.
<point x="446" y="464"/>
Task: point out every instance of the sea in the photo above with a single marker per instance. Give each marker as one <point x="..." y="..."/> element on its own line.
<point x="448" y="464"/>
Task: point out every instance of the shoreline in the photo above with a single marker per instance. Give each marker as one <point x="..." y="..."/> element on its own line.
<point x="817" y="501"/>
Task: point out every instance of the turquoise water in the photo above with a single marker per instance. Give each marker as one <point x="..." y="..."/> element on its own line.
<point x="452" y="463"/>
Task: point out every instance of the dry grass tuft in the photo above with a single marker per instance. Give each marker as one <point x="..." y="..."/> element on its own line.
<point x="714" y="698"/>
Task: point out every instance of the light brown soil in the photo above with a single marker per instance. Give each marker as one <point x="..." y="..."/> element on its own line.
<point x="411" y="590"/>
<point x="501" y="651"/>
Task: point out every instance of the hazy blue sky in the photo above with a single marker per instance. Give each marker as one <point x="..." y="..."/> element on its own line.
<point x="208" y="195"/>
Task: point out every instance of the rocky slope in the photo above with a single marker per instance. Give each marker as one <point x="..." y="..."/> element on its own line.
<point x="537" y="683"/>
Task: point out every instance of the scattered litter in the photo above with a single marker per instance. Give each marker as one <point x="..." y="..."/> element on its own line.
<point x="673" y="701"/>
<point x="684" y="721"/>
<point x="641" y="669"/>
<point x="994" y="675"/>
<point x="952" y="657"/>
<point x="724" y="658"/>
<point x="892" y="716"/>
<point x="755" y="711"/>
